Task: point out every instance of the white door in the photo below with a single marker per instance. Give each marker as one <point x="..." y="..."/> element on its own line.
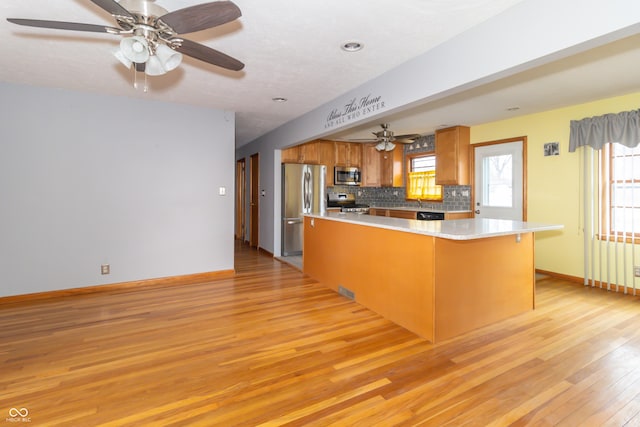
<point x="499" y="181"/>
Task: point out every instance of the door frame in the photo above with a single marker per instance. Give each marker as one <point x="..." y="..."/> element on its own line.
<point x="254" y="200"/>
<point x="241" y="192"/>
<point x="472" y="171"/>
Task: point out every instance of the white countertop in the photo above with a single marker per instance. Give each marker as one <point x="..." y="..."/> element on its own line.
<point x="458" y="229"/>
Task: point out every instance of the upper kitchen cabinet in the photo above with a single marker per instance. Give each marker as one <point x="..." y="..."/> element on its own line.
<point x="371" y="166"/>
<point x="381" y="168"/>
<point x="326" y="156"/>
<point x="452" y="156"/>
<point x="291" y="155"/>
<point x="305" y="153"/>
<point x="392" y="167"/>
<point x="348" y="154"/>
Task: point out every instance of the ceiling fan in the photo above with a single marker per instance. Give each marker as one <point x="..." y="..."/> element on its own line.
<point x="151" y="44"/>
<point x="385" y="138"/>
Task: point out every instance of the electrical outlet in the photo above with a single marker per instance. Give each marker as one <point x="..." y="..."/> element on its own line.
<point x="636" y="271"/>
<point x="105" y="269"/>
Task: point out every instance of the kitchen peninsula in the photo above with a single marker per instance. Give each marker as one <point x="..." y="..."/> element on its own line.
<point x="438" y="279"/>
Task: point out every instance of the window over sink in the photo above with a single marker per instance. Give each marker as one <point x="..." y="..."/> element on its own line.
<point x="421" y="177"/>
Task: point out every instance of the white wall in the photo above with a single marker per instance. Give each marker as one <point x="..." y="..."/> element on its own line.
<point x="88" y="179"/>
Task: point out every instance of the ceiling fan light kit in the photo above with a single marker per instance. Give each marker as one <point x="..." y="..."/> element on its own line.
<point x="385" y="138"/>
<point x="152" y="44"/>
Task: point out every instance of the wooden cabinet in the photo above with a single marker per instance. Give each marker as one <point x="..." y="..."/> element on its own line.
<point x="392" y="171"/>
<point x="393" y="213"/>
<point x="452" y="156"/>
<point x="305" y="153"/>
<point x="317" y="152"/>
<point x="378" y="212"/>
<point x="371" y="166"/>
<point x="309" y="153"/>
<point x="326" y="157"/>
<point x="457" y="215"/>
<point x="381" y="168"/>
<point x="348" y="154"/>
<point x="402" y="214"/>
<point x="291" y="155"/>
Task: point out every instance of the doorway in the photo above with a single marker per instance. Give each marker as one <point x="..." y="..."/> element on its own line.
<point x="254" y="205"/>
<point x="500" y="179"/>
<point x="240" y="200"/>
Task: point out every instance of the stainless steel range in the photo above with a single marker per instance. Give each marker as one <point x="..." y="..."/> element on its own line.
<point x="346" y="202"/>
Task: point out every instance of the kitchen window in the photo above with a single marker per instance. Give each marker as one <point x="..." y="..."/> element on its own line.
<point x="620" y="213"/>
<point x="421" y="178"/>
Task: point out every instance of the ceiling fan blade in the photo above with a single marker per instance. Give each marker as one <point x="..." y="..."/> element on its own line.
<point x="113" y="7"/>
<point x="206" y="54"/>
<point x="60" y="25"/>
<point x="201" y="17"/>
<point x="408" y="136"/>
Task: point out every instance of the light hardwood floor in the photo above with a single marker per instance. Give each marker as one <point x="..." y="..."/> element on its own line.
<point x="273" y="347"/>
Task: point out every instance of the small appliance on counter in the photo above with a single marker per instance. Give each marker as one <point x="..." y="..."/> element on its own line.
<point x="346" y="202"/>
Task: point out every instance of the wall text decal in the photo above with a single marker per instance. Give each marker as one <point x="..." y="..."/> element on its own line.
<point x="353" y="110"/>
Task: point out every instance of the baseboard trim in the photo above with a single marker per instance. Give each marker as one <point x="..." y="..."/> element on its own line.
<point x="187" y="279"/>
<point x="568" y="278"/>
<point x="595" y="284"/>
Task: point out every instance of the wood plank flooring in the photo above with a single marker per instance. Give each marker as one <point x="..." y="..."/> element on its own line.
<point x="272" y="347"/>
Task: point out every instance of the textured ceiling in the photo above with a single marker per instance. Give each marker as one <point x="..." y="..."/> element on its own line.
<point x="291" y="49"/>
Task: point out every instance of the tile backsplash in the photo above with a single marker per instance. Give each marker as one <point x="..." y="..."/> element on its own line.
<point x="456" y="197"/>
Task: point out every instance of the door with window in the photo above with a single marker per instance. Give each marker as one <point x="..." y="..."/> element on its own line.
<point x="500" y="180"/>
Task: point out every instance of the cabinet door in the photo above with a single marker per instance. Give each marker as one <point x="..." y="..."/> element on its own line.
<point x="309" y="153"/>
<point x="402" y="214"/>
<point x="457" y="215"/>
<point x="371" y="162"/>
<point x="452" y="156"/>
<point x="342" y="153"/>
<point x="379" y="212"/>
<point x="348" y="154"/>
<point x="326" y="153"/>
<point x="391" y="167"/>
<point x="355" y="154"/>
<point x="291" y="155"/>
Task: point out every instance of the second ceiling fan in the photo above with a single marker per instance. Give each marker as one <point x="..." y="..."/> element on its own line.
<point x="386" y="138"/>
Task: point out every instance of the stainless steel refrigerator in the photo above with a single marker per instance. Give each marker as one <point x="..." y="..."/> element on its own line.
<point x="303" y="191"/>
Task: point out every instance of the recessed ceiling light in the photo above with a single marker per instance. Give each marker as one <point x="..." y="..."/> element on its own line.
<point x="351" y="46"/>
<point x="279" y="99"/>
<point x="513" y="108"/>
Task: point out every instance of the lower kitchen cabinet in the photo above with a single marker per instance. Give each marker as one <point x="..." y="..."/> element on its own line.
<point x="457" y="215"/>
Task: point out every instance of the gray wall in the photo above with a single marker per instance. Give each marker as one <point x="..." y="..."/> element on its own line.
<point x="88" y="179"/>
<point x="532" y="33"/>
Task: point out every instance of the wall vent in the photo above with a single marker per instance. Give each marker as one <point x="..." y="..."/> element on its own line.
<point x="346" y="292"/>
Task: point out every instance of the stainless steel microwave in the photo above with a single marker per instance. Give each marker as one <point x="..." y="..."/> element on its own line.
<point x="346" y="175"/>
